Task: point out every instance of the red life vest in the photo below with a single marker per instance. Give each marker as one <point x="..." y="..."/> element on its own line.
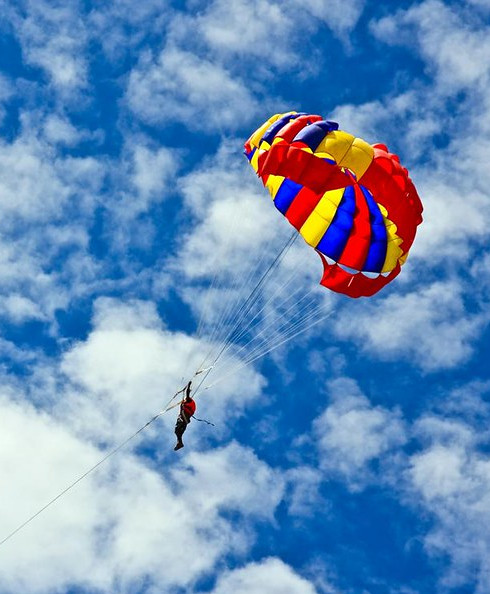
<point x="189" y="407"/>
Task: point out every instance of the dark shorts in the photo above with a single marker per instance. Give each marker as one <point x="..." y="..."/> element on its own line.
<point x="180" y="426"/>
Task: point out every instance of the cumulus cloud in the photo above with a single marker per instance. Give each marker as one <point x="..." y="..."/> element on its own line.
<point x="113" y="530"/>
<point x="55" y="197"/>
<point x="270" y="575"/>
<point x="196" y="79"/>
<point x="18" y="308"/>
<point x="267" y="32"/>
<point x="341" y="18"/>
<point x="6" y="92"/>
<point x="254" y="28"/>
<point x="36" y="186"/>
<point x="448" y="477"/>
<point x="178" y="86"/>
<point x="439" y="29"/>
<point x="123" y="27"/>
<point x="351" y="433"/>
<point x="304" y="496"/>
<point x="131" y="366"/>
<point x="481" y="4"/>
<point x="430" y="327"/>
<point x="230" y="219"/>
<point x="46" y="202"/>
<point x="58" y="129"/>
<point x="202" y="505"/>
<point x="152" y="170"/>
<point x="54" y="39"/>
<point x="141" y="179"/>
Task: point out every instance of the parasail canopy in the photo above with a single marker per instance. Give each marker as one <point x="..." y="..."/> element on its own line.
<point x="351" y="201"/>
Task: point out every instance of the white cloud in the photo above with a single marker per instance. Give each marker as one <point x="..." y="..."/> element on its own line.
<point x="38" y="184"/>
<point x="231" y="220"/>
<point x="33" y="183"/>
<point x="457" y="49"/>
<point x="39" y="457"/>
<point x="142" y="178"/>
<point x="271" y="575"/>
<point x="254" y="482"/>
<point x="54" y="38"/>
<point x="47" y="201"/>
<point x="58" y="129"/>
<point x="351" y="433"/>
<point x="449" y="478"/>
<point x="467" y="402"/>
<point x="130" y="366"/>
<point x="122" y="27"/>
<point x="178" y="86"/>
<point x="19" y="308"/>
<point x="338" y="15"/>
<point x="438" y="472"/>
<point x="127" y="523"/>
<point x="6" y="92"/>
<point x="153" y="170"/>
<point x="267" y="32"/>
<point x="254" y="28"/>
<point x="304" y="498"/>
<point x="451" y="223"/>
<point x="430" y="327"/>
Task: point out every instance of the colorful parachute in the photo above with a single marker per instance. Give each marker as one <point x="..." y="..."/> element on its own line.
<point x="353" y="202"/>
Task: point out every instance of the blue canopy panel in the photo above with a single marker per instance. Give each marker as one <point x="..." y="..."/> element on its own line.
<point x="313" y="134"/>
<point x="335" y="238"/>
<point x="377" y="249"/>
<point x="286" y="193"/>
<point x="250" y="154"/>
<point x="272" y="131"/>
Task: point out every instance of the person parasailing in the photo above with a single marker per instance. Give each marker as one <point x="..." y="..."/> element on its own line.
<point x="187" y="410"/>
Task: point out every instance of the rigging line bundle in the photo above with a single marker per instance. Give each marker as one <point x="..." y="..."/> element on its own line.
<point x="232" y="291"/>
<point x="267" y="329"/>
<point x="246" y="306"/>
<point x="255" y="357"/>
<point x="218" y="255"/>
<point x="232" y="316"/>
<point x="237" y="317"/>
<point x="250" y="325"/>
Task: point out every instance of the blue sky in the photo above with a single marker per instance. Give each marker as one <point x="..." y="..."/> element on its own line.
<point x="351" y="459"/>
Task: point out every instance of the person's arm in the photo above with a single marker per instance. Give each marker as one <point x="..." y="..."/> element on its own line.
<point x="188" y="391"/>
<point x="183" y="412"/>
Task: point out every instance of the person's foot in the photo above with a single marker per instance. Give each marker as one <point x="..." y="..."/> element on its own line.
<point x="178" y="446"/>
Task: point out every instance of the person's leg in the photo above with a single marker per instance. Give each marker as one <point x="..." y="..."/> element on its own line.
<point x="180" y="427"/>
